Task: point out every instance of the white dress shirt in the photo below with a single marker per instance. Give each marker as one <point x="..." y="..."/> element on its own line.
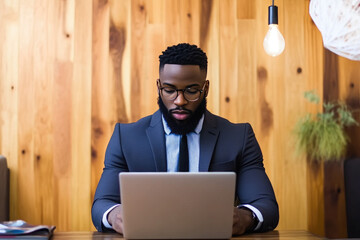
<point x="173" y="146"/>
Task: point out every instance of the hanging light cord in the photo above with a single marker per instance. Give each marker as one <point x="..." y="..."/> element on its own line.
<point x="273" y="2"/>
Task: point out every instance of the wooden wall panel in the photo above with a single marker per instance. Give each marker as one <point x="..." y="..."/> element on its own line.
<point x="103" y="109"/>
<point x="81" y="117"/>
<point x="9" y="88"/>
<point x="71" y="69"/>
<point x="293" y="85"/>
<point x="349" y="91"/>
<point x="313" y="72"/>
<point x="25" y="189"/>
<point x="62" y="15"/>
<point x="209" y="41"/>
<point x="246" y="67"/>
<point x="138" y="12"/>
<point x="228" y="60"/>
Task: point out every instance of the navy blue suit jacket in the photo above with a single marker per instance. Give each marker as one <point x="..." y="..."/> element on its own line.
<point x="224" y="146"/>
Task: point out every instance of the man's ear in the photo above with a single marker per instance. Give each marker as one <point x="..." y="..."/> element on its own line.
<point x="158" y="85"/>
<point x="207" y="87"/>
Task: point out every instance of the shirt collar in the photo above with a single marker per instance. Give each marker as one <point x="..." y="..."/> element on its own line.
<point x="197" y="130"/>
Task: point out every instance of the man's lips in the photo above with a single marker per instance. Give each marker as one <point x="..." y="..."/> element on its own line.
<point x="180" y="114"/>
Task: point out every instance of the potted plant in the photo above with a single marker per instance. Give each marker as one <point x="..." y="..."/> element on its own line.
<point x="322" y="136"/>
<point x="323" y="139"/>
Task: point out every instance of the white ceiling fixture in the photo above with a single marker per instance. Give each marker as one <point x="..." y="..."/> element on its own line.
<point x="339" y="24"/>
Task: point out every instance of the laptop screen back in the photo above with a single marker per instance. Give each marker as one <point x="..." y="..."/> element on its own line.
<point x="177" y="205"/>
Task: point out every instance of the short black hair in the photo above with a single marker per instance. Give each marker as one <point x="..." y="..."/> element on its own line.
<point x="184" y="54"/>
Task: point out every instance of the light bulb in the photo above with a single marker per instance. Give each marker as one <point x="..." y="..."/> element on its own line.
<point x="274" y="43"/>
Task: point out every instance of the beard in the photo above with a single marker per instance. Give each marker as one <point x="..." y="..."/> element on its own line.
<point x="187" y="125"/>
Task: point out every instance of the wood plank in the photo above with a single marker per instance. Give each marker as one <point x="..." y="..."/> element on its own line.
<point x="349" y="90"/>
<point x="246" y="61"/>
<point x="272" y="235"/>
<point x="294" y="83"/>
<point x="102" y="108"/>
<point x="331" y="78"/>
<point x="43" y="121"/>
<point x="61" y="14"/>
<point x="138" y="31"/>
<point x="154" y="47"/>
<point x="121" y="18"/>
<point x="246" y="9"/>
<point x="64" y="17"/>
<point x="315" y="196"/>
<point x="345" y="77"/>
<point x="334" y="196"/>
<point x="172" y="23"/>
<point x="334" y="190"/>
<point x="228" y="60"/>
<point x="154" y="40"/>
<point x="246" y="66"/>
<point x="189" y="20"/>
<point x="313" y="71"/>
<point x="207" y="16"/>
<point x="209" y="42"/>
<point x="9" y="75"/>
<point x="62" y="100"/>
<point x="349" y="73"/>
<point x="27" y="209"/>
<point x="156" y="12"/>
<point x="119" y="39"/>
<point x="81" y="118"/>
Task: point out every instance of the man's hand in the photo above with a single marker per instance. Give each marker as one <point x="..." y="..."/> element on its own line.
<point x="115" y="219"/>
<point x="242" y="221"/>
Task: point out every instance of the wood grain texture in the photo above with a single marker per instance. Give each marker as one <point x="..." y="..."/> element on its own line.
<point x="9" y="89"/>
<point x="63" y="17"/>
<point x="349" y="91"/>
<point x="71" y="69"/>
<point x="334" y="189"/>
<point x="81" y="117"/>
<point x="313" y="72"/>
<point x="293" y="85"/>
<point x="228" y="60"/>
<point x="209" y="41"/>
<point x="27" y="205"/>
<point x="103" y="110"/>
<point x="334" y="200"/>
<point x="272" y="235"/>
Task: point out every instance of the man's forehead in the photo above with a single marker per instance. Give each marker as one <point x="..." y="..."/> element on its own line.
<point x="181" y="67"/>
<point x="182" y="71"/>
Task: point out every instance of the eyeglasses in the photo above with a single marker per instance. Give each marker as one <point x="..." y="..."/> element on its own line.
<point x="191" y="94"/>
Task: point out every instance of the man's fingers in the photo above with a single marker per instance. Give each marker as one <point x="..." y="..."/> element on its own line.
<point x="118" y="226"/>
<point x="115" y="219"/>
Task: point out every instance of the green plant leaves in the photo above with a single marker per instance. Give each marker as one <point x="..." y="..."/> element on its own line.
<point x="311" y="96"/>
<point x="321" y="136"/>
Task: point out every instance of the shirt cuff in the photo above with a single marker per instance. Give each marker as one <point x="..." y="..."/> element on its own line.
<point x="104" y="219"/>
<point x="257" y="213"/>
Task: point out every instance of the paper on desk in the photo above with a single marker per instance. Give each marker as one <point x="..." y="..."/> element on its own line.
<point x="20" y="227"/>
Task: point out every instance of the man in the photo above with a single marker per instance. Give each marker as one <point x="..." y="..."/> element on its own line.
<point x="214" y="144"/>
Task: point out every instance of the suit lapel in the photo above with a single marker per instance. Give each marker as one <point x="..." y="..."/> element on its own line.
<point x="156" y="136"/>
<point x="208" y="137"/>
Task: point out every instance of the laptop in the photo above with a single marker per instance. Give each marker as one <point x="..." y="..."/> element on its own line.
<point x="177" y="205"/>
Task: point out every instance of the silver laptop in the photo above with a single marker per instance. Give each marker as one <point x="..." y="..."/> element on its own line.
<point x="177" y="205"/>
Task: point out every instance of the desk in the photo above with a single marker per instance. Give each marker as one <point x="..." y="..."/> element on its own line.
<point x="273" y="235"/>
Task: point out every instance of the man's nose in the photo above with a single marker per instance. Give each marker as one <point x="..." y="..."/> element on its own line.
<point x="180" y="100"/>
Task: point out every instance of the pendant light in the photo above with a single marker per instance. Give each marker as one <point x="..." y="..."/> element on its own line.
<point x="274" y="43"/>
